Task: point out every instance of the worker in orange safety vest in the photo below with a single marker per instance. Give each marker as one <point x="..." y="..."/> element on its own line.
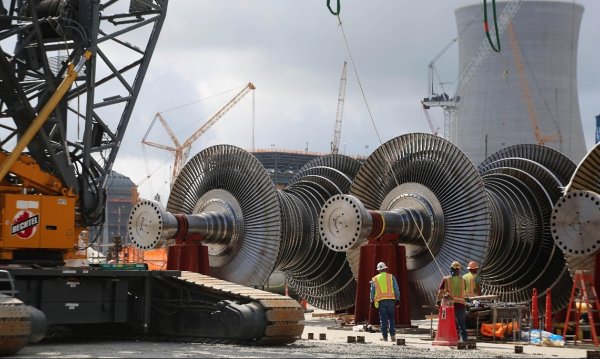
<point x="453" y="287"/>
<point x="472" y="280"/>
<point x="385" y="294"/>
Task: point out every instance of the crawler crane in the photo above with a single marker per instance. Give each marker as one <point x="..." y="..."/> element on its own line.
<point x="66" y="64"/>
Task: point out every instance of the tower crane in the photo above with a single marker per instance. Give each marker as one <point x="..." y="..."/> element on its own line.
<point x="335" y="144"/>
<point x="450" y="104"/>
<point x="182" y="150"/>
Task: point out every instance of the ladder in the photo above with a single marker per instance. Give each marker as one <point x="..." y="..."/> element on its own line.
<point x="583" y="293"/>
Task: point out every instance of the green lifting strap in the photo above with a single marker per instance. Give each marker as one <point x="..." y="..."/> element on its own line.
<point x="486" y="27"/>
<point x="331" y="10"/>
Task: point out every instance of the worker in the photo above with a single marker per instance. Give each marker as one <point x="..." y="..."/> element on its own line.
<point x="385" y="294"/>
<point x="472" y="280"/>
<point x="453" y="287"/>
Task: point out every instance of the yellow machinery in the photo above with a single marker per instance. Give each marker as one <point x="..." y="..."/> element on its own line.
<point x="67" y="91"/>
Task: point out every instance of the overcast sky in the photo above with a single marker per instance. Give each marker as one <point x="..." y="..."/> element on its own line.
<point x="293" y="51"/>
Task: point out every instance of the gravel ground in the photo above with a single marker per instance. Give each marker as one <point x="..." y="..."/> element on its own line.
<point x="417" y="346"/>
<point x="301" y="349"/>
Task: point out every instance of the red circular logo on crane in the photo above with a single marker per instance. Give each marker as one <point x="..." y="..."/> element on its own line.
<point x="25" y="224"/>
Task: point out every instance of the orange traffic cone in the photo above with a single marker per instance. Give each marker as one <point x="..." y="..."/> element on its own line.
<point x="446" y="331"/>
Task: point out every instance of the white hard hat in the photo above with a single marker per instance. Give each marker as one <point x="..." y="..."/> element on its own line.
<point x="381" y="266"/>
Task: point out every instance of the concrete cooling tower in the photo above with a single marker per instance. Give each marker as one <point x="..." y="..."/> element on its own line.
<point x="527" y="93"/>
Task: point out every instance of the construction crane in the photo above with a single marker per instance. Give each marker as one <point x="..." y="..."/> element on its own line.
<point x="450" y="104"/>
<point x="182" y="150"/>
<point x="432" y="95"/>
<point x="62" y="63"/>
<point x="434" y="130"/>
<point x="516" y="51"/>
<point x="335" y="144"/>
<point x="432" y="72"/>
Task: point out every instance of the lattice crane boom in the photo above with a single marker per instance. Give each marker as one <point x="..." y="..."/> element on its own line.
<point x="335" y="144"/>
<point x="199" y="132"/>
<point x="169" y="131"/>
<point x="181" y="151"/>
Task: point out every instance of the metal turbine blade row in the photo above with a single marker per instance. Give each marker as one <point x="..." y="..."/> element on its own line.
<point x="576" y="216"/>
<point x="523" y="182"/>
<point x="498" y="215"/>
<point x="425" y="174"/>
<point x="250" y="227"/>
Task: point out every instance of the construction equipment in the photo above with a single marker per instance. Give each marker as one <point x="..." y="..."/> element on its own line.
<point x="335" y="143"/>
<point x="434" y="130"/>
<point x="182" y="151"/>
<point x="432" y="75"/>
<point x="225" y="207"/>
<point x="584" y="300"/>
<point x="575" y="221"/>
<point x="56" y="189"/>
<point x="516" y="51"/>
<point x="450" y="104"/>
<point x="421" y="191"/>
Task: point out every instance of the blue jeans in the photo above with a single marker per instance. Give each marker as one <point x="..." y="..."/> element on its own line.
<point x="386" y="317"/>
<point x="460" y="314"/>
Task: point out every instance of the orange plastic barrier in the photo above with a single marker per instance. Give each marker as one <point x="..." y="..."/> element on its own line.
<point x="499" y="330"/>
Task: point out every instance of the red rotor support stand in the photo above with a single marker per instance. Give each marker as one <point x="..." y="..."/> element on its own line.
<point x="188" y="253"/>
<point x="381" y="249"/>
<point x="535" y="315"/>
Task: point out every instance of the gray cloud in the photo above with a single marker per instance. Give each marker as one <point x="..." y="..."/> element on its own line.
<point x="293" y="51"/>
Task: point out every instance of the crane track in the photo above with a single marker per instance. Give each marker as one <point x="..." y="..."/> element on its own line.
<point x="283" y="314"/>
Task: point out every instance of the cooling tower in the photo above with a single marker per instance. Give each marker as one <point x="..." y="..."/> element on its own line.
<point x="527" y="93"/>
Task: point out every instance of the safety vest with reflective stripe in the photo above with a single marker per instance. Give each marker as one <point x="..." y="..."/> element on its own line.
<point x="384" y="287"/>
<point x="470" y="284"/>
<point x="455" y="285"/>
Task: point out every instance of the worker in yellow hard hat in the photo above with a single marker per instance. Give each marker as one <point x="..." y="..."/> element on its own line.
<point x="472" y="280"/>
<point x="385" y="294"/>
<point x="453" y="287"/>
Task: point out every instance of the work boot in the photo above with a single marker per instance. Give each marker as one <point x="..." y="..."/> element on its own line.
<point x="393" y="338"/>
<point x="384" y="339"/>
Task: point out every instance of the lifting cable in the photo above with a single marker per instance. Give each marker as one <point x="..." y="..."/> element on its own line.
<point x="426" y="245"/>
<point x="337" y="14"/>
<point x="486" y="27"/>
<point x="357" y="77"/>
<point x="201" y="99"/>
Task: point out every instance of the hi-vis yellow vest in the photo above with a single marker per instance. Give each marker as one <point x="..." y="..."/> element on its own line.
<point x="470" y="285"/>
<point x="384" y="287"/>
<point x="455" y="286"/>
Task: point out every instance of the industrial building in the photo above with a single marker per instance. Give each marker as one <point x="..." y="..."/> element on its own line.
<point x="121" y="196"/>
<point x="526" y="94"/>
